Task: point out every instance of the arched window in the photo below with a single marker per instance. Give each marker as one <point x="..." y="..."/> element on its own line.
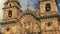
<point x="10" y="5"/>
<point x="47" y="7"/>
<point x="10" y="13"/>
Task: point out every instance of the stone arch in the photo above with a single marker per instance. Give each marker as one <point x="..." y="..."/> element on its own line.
<point x="29" y="13"/>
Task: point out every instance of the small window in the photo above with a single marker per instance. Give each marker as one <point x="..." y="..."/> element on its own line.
<point x="7" y="29"/>
<point x="10" y="13"/>
<point x="49" y="24"/>
<point x="47" y="7"/>
<point x="20" y="10"/>
<point x="10" y="5"/>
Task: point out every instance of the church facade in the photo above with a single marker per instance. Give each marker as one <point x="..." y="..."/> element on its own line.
<point x="44" y="20"/>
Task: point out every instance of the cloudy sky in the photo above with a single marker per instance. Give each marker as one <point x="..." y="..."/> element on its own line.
<point x="24" y="3"/>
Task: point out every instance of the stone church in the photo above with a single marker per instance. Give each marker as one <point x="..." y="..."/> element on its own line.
<point x="44" y="20"/>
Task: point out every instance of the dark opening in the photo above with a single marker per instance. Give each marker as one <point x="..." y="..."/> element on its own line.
<point x="48" y="7"/>
<point x="7" y="29"/>
<point x="31" y="33"/>
<point x="10" y="13"/>
<point x="27" y="32"/>
<point x="10" y="5"/>
<point x="49" y="24"/>
<point x="39" y="32"/>
<point x="20" y="10"/>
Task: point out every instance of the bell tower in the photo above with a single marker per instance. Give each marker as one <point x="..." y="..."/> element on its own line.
<point x="48" y="7"/>
<point x="49" y="16"/>
<point x="11" y="10"/>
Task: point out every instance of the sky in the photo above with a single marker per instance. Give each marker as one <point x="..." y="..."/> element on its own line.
<point x="32" y="4"/>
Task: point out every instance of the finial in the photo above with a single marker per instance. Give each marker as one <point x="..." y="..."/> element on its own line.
<point x="27" y="4"/>
<point x="37" y="9"/>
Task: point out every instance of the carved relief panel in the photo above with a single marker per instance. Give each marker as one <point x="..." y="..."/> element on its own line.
<point x="30" y="25"/>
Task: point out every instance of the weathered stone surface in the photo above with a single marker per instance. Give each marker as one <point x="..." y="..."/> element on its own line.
<point x="30" y="22"/>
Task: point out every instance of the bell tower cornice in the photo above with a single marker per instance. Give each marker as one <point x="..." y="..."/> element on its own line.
<point x="12" y="3"/>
